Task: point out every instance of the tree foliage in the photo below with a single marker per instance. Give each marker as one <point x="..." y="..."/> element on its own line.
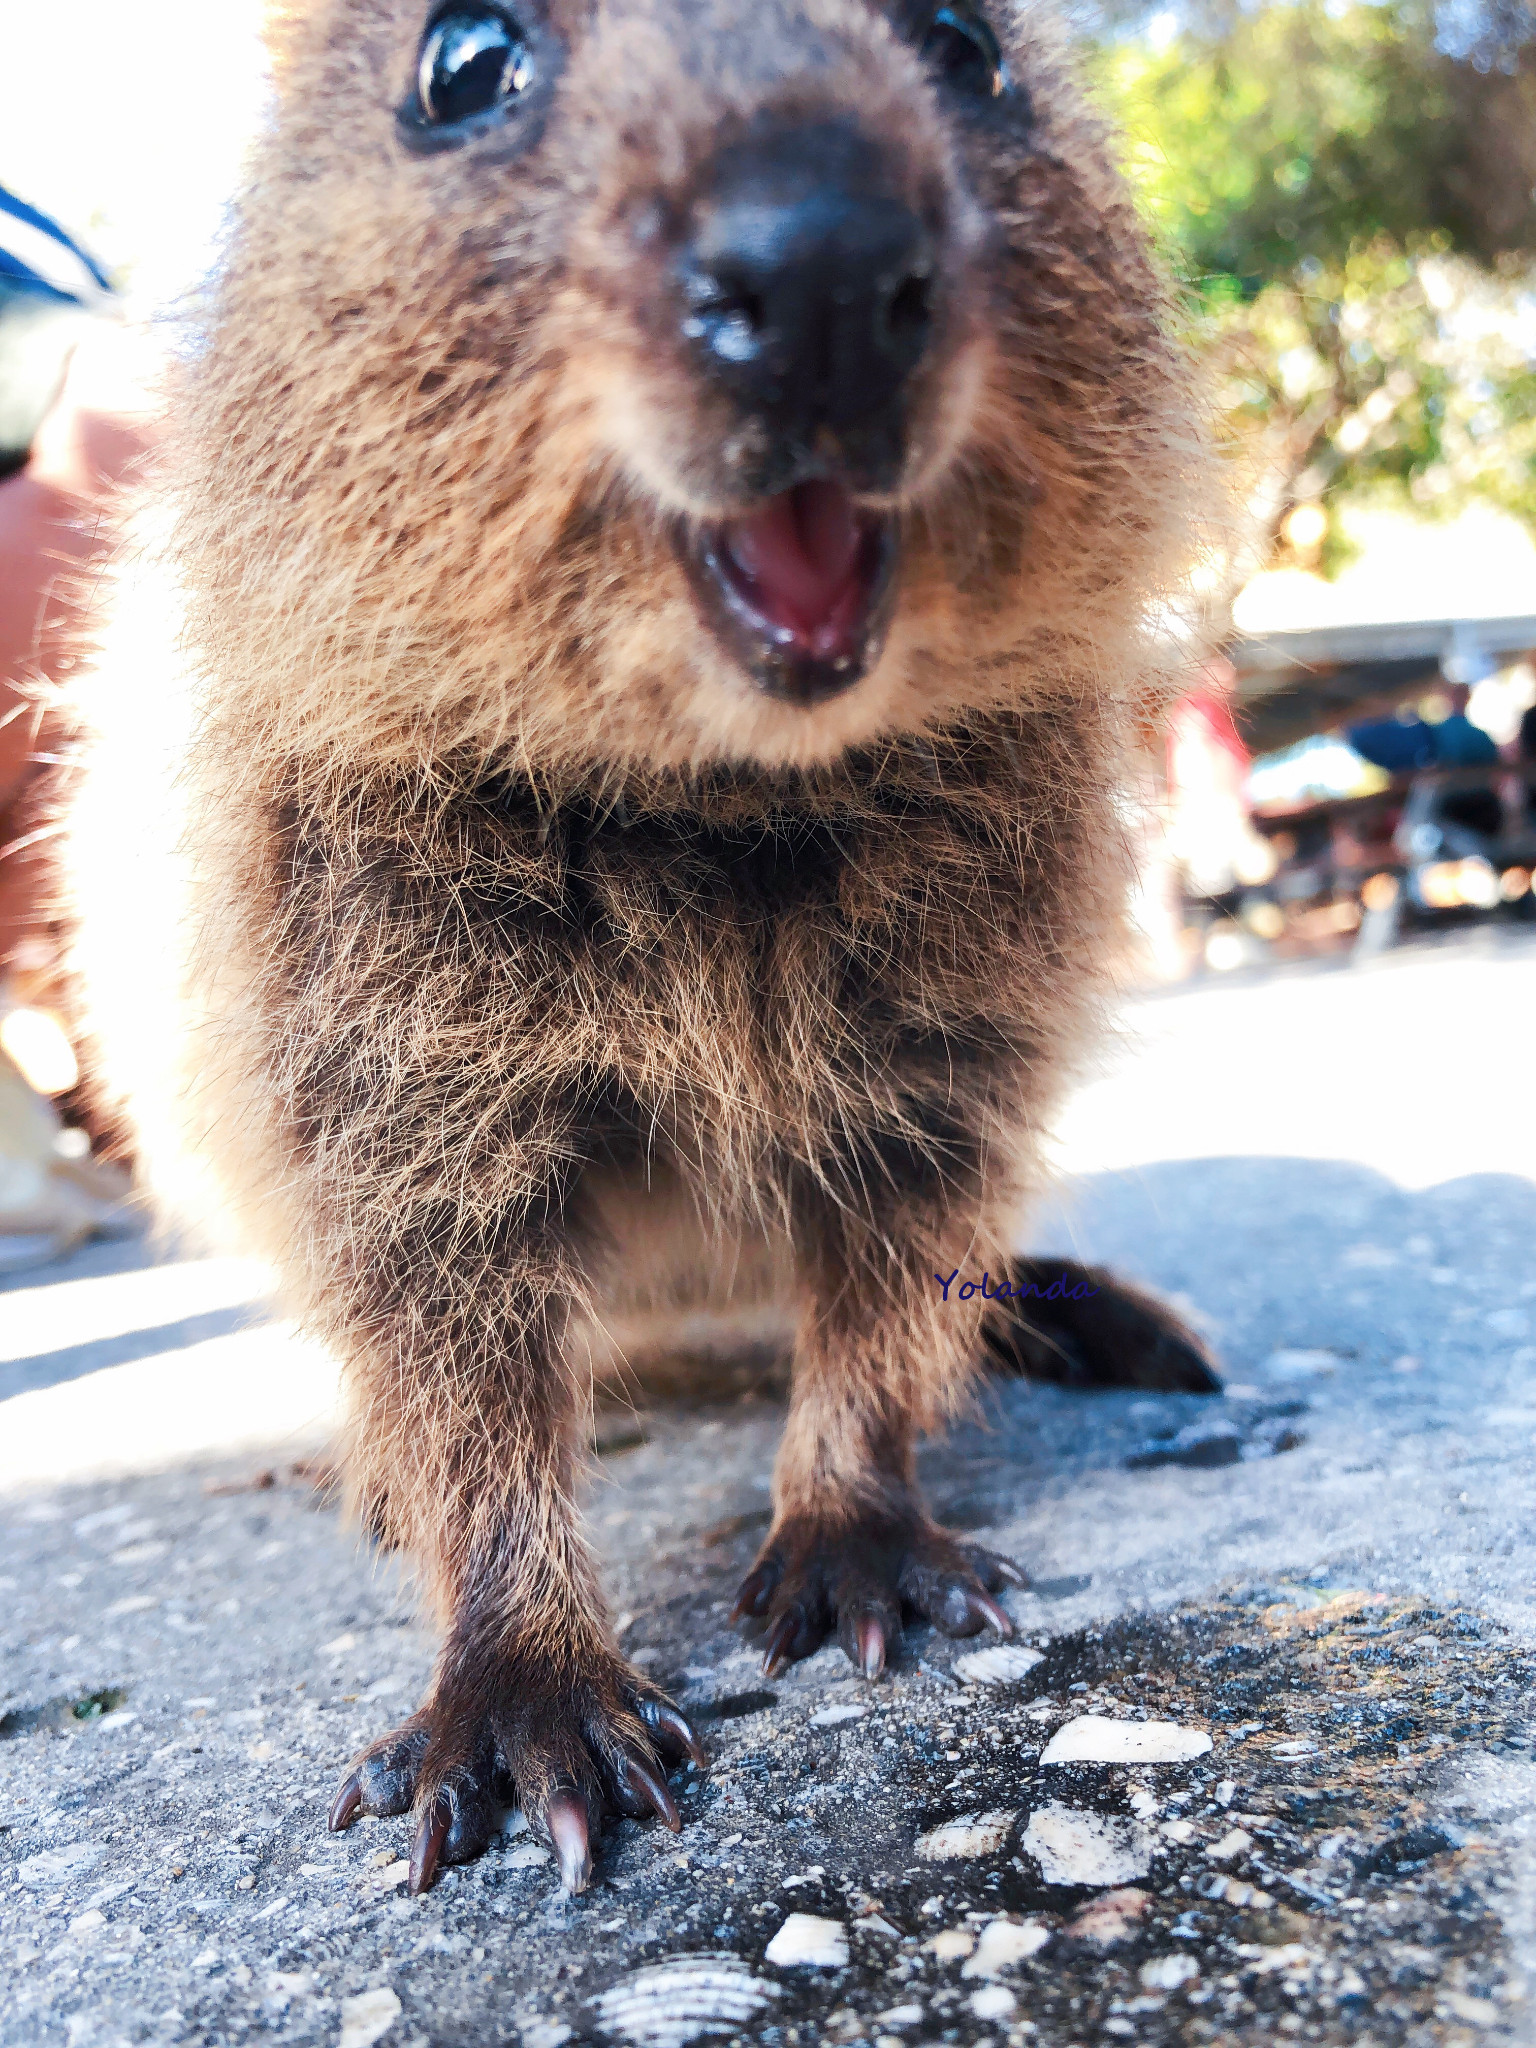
<point x="1353" y="212"/>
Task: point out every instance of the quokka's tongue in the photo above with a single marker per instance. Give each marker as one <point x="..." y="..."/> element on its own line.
<point x="799" y="557"/>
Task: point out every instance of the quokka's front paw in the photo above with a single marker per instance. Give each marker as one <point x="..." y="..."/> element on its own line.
<point x="857" y="1577"/>
<point x="568" y="1743"/>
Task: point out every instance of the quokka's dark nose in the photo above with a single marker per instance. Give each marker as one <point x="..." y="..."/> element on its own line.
<point x="809" y="289"/>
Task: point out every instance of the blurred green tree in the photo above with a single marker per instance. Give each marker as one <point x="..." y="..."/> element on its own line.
<point x="1348" y="192"/>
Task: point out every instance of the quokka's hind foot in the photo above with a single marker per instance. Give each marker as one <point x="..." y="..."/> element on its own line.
<point x="1078" y="1326"/>
<point x="569" y="1745"/>
<point x="855" y="1577"/>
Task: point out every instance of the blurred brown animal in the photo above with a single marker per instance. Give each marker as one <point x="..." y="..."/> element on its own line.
<point x="668" y="509"/>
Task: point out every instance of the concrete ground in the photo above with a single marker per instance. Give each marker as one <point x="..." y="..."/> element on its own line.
<point x="1328" y="1574"/>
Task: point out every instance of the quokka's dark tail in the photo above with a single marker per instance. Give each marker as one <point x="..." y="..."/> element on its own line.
<point x="1078" y="1326"/>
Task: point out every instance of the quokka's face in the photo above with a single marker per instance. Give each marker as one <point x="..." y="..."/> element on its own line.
<point x="678" y="380"/>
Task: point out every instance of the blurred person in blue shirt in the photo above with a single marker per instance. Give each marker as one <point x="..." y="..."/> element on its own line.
<point x="1402" y="746"/>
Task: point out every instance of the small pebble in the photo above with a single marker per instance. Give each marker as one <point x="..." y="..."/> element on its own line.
<point x="973" y="1834"/>
<point x="994" y="2002"/>
<point x="1291" y="1955"/>
<point x="1233" y="1844"/>
<point x="546" y="2034"/>
<point x="368" y="2017"/>
<point x="954" y="1941"/>
<point x="1236" y="1893"/>
<point x="806" y="1942"/>
<point x="1301" y="1365"/>
<point x="1004" y="1943"/>
<point x="1167" y="1973"/>
<point x="1109" y="1920"/>
<point x="1072" y="1847"/>
<point x="1092" y="1738"/>
<point x="833" y="1717"/>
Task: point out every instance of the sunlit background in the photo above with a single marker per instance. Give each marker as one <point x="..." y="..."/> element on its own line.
<point x="128" y="124"/>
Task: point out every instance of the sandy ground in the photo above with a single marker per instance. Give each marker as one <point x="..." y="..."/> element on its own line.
<point x="1329" y="1572"/>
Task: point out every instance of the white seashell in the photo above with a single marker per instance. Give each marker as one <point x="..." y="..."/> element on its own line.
<point x="830" y="1717"/>
<point x="1072" y="1847"/>
<point x="808" y="1943"/>
<point x="1094" y="1739"/>
<point x="690" y="1998"/>
<point x="973" y="1834"/>
<point x="999" y="1665"/>
<point x="1004" y="1943"/>
<point x="1167" y="1973"/>
<point x="368" y="2017"/>
<point x="993" y="2002"/>
<point x="952" y="1942"/>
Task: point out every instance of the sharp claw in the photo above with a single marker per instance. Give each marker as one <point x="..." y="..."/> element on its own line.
<point x="637" y="1779"/>
<point x="344" y="1809"/>
<point x="754" y="1593"/>
<point x="565" y="1818"/>
<point x="870" y="1638"/>
<point x="999" y="1617"/>
<point x="663" y="1719"/>
<point x="777" y="1646"/>
<point x="428" y="1844"/>
<point x="1005" y="1569"/>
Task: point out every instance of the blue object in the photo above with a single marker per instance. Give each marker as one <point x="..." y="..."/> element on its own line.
<point x="1403" y="745"/>
<point x="1398" y="745"/>
<point x="1461" y="744"/>
<point x="36" y="251"/>
<point x="48" y="286"/>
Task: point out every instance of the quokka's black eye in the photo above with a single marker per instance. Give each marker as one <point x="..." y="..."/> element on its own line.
<point x="472" y="58"/>
<point x="961" y="48"/>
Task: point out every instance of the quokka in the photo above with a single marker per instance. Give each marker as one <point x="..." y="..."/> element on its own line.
<point x="665" y="515"/>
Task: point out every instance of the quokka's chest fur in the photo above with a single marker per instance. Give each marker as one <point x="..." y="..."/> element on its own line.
<point x="777" y="966"/>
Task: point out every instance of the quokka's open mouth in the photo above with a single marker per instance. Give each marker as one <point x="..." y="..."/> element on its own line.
<point x="799" y="590"/>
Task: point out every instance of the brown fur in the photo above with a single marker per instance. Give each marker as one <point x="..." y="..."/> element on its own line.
<point x="529" y="940"/>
